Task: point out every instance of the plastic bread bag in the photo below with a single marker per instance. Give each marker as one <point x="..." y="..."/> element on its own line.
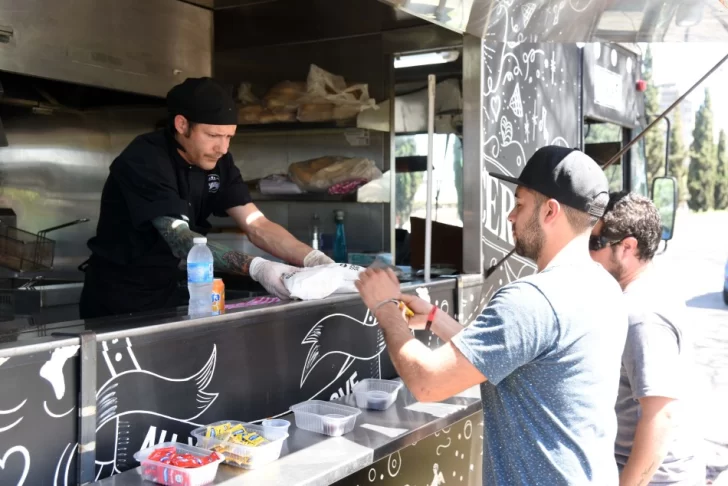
<point x="322" y="281"/>
<point x="325" y="87"/>
<point x="318" y="175"/>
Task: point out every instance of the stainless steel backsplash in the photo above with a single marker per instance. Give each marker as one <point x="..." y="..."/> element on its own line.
<point x="55" y="167"/>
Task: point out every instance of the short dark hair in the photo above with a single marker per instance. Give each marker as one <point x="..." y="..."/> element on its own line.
<point x="630" y="214"/>
<point x="579" y="221"/>
<point x="190" y="124"/>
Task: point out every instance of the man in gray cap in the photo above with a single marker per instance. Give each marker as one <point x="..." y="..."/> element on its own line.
<point x="546" y="349"/>
<point x="160" y="191"/>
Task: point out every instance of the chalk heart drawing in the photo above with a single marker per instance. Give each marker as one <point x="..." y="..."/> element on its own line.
<point x="26" y="466"/>
<point x="495" y="106"/>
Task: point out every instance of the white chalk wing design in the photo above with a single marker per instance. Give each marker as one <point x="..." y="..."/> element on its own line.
<point x="121" y="404"/>
<point x="364" y="341"/>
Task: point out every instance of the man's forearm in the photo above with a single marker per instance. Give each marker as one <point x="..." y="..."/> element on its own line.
<point x="403" y="349"/>
<point x="179" y="237"/>
<point x="276" y="240"/>
<point x="648" y="450"/>
<point x="444" y="326"/>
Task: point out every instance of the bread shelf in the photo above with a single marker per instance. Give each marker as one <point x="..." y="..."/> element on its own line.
<point x="297" y="128"/>
<point x="306" y="197"/>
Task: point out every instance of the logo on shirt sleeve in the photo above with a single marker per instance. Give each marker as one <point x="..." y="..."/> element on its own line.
<point x="213" y="183"/>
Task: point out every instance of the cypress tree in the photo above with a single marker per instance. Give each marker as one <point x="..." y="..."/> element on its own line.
<point x="703" y="160"/>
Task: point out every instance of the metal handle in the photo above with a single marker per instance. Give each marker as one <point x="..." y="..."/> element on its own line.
<point x="662" y="115"/>
<point x="43" y="233"/>
<point x="30" y="284"/>
<point x="430" y="148"/>
<point x="6" y="33"/>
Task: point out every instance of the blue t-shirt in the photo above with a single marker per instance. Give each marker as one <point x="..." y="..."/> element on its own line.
<point x="550" y="345"/>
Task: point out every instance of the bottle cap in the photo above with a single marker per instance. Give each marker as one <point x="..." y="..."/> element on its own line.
<point x="199" y="240"/>
<point x="339" y="215"/>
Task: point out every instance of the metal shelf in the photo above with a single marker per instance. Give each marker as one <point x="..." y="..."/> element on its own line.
<point x="306" y="197"/>
<point x="298" y="128"/>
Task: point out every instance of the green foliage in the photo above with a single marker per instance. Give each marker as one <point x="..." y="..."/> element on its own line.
<point x="702" y="171"/>
<point x="721" y="182"/>
<point x="678" y="155"/>
<point x="655" y="138"/>
<point x="407" y="182"/>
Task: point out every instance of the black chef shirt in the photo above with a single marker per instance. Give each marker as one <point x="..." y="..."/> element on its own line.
<point x="132" y="268"/>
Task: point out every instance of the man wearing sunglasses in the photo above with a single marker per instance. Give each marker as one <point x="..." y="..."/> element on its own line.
<point x="655" y="445"/>
<point x="546" y="350"/>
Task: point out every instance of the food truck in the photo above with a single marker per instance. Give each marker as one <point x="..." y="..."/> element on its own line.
<point x="444" y="92"/>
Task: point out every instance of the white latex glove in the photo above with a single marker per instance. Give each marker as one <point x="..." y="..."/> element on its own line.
<point x="269" y="275"/>
<point x="316" y="258"/>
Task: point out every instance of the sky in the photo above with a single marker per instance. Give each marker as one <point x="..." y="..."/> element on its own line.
<point x="685" y="63"/>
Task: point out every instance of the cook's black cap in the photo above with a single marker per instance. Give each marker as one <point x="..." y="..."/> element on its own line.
<point x="202" y="100"/>
<point x="567" y="175"/>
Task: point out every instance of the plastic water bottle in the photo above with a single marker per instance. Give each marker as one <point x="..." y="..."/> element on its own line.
<point x="200" y="277"/>
<point x="340" y="253"/>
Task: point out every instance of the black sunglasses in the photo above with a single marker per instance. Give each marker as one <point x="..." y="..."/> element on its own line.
<point x="599" y="242"/>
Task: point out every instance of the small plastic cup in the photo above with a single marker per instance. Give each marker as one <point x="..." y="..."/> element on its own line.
<point x="275" y="424"/>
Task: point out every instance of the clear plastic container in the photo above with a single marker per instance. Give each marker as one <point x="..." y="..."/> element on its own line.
<point x="275" y="425"/>
<point x="376" y="394"/>
<point x="161" y="473"/>
<point x="241" y="455"/>
<point x="325" y="417"/>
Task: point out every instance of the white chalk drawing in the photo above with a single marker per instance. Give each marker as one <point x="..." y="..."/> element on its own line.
<point x="68" y="460"/>
<point x="26" y="465"/>
<point x="122" y="361"/>
<point x="15" y="409"/>
<point x="4" y="429"/>
<point x="12" y="411"/>
<point x="357" y="348"/>
<point x="437" y="477"/>
<point x="527" y="11"/>
<point x="118" y="399"/>
<point x="495" y="106"/>
<point x="579" y="5"/>
<point x="55" y="415"/>
<point x="506" y="131"/>
<point x="443" y="446"/>
<point x="468" y="430"/>
<point x="517" y="73"/>
<point x="394" y="464"/>
<point x="515" y="104"/>
<point x="52" y="370"/>
<point x="424" y="294"/>
<point x="3" y="361"/>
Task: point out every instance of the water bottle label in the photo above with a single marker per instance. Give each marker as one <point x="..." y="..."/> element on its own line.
<point x="199" y="273"/>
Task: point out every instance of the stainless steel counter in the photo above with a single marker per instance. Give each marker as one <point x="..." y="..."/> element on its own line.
<point x="312" y="459"/>
<point x="153" y="322"/>
<point x="162" y="374"/>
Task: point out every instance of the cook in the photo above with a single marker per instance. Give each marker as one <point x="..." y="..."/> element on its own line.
<point x="159" y="193"/>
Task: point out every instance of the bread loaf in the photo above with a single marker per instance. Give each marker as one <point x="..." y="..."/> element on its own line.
<point x="316" y="112"/>
<point x="284" y="96"/>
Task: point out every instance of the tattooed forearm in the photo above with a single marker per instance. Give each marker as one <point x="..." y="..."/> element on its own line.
<point x="179" y="236"/>
<point x="234" y="259"/>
